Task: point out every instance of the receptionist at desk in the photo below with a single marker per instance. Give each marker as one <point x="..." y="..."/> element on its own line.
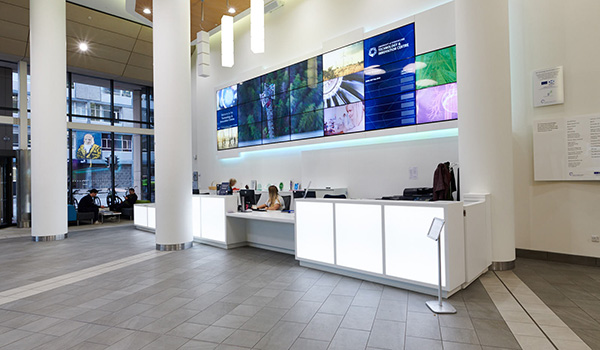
<point x="275" y="201"/>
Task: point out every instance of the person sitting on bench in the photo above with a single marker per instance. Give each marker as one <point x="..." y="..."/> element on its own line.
<point x="87" y="205"/>
<point x="129" y="201"/>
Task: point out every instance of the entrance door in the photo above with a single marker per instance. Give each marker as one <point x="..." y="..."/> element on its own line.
<point x="7" y="202"/>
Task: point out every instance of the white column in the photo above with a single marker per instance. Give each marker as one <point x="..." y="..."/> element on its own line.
<point x="172" y="124"/>
<point x="48" y="119"/>
<point x="484" y="109"/>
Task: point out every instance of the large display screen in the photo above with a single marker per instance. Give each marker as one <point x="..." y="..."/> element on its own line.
<point x="373" y="84"/>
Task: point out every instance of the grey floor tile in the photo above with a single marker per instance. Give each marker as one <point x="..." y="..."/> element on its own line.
<point x="322" y="327"/>
<point x="302" y="311"/>
<point x="367" y="297"/>
<point x="413" y="343"/>
<point x="359" y="317"/>
<point x="459" y="335"/>
<point x="231" y="321"/>
<point x="456" y="321"/>
<point x="349" y="339"/>
<point x="137" y="322"/>
<point x="198" y="345"/>
<point x="394" y="294"/>
<point x="336" y="304"/>
<point x="86" y="346"/>
<point x="29" y="342"/>
<point x="347" y="286"/>
<point x="461" y="346"/>
<point x="245" y="310"/>
<point x="166" y="342"/>
<point x="13" y="336"/>
<point x="214" y="334"/>
<point x="309" y="344"/>
<point x="387" y="335"/>
<point x="63" y="328"/>
<point x="40" y="324"/>
<point x="285" y="299"/>
<point x="317" y="293"/>
<point x="392" y="310"/>
<point x="134" y="341"/>
<point x="422" y="325"/>
<point x="187" y="330"/>
<point x="416" y="302"/>
<point x="110" y="336"/>
<point x="264" y="320"/>
<point x="244" y="338"/>
<point x="495" y="333"/>
<point x="281" y="336"/>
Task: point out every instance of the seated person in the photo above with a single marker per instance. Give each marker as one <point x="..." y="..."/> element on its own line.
<point x="275" y="201"/>
<point x="232" y="183"/>
<point x="129" y="201"/>
<point x="87" y="205"/>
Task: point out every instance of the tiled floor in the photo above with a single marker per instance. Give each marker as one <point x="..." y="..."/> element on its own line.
<point x="107" y="288"/>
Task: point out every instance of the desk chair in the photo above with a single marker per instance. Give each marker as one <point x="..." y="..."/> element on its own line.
<point x="286" y="201"/>
<point x="340" y="196"/>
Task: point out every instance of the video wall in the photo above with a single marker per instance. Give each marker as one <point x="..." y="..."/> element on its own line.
<point x="374" y="84"/>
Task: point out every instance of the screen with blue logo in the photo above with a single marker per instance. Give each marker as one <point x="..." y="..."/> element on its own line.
<point x="392" y="46"/>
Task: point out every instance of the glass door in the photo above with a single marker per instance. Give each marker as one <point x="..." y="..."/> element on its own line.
<point x="7" y="201"/>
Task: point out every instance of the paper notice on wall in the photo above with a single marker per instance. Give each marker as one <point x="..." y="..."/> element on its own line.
<point x="549" y="153"/>
<point x="567" y="149"/>
<point x="583" y="148"/>
<point x="548" y="87"/>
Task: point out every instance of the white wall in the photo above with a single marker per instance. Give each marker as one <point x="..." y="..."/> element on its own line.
<point x="302" y="29"/>
<point x="554" y="216"/>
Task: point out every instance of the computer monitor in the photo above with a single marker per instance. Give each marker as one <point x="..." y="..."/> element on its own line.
<point x="247" y="199"/>
<point x="305" y="194"/>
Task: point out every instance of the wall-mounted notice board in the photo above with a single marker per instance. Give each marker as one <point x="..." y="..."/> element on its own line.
<point x="567" y="149"/>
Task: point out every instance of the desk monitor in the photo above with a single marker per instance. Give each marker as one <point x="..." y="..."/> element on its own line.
<point x="305" y="194"/>
<point x="248" y="199"/>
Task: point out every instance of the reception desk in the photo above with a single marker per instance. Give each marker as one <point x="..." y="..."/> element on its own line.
<point x="383" y="241"/>
<point x="218" y="223"/>
<point x="376" y="240"/>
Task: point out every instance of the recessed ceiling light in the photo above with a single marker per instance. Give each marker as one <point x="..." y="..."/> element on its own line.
<point x="83" y="46"/>
<point x="231" y="10"/>
<point x="147" y="11"/>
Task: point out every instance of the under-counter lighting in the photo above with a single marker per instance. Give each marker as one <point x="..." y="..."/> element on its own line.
<point x="83" y="46"/>
<point x="231" y="10"/>
<point x="363" y="141"/>
<point x="147" y="11"/>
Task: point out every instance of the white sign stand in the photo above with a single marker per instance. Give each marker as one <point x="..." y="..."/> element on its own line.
<point x="438" y="306"/>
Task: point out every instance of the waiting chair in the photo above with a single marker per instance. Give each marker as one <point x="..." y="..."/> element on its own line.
<point x="127" y="212"/>
<point x="75" y="215"/>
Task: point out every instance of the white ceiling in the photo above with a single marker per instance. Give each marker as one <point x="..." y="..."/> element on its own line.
<point x="120" y="8"/>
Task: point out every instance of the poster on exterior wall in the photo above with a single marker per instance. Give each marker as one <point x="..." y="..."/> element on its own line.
<point x="548" y="87"/>
<point x="567" y="149"/>
<point x="88" y="145"/>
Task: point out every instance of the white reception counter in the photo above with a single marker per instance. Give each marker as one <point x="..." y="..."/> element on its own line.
<point x="376" y="240"/>
<point x="382" y="241"/>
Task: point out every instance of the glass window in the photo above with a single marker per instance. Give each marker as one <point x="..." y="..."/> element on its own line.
<point x="90" y="98"/>
<point x="125" y="165"/>
<point x="128" y="104"/>
<point x="90" y="164"/>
